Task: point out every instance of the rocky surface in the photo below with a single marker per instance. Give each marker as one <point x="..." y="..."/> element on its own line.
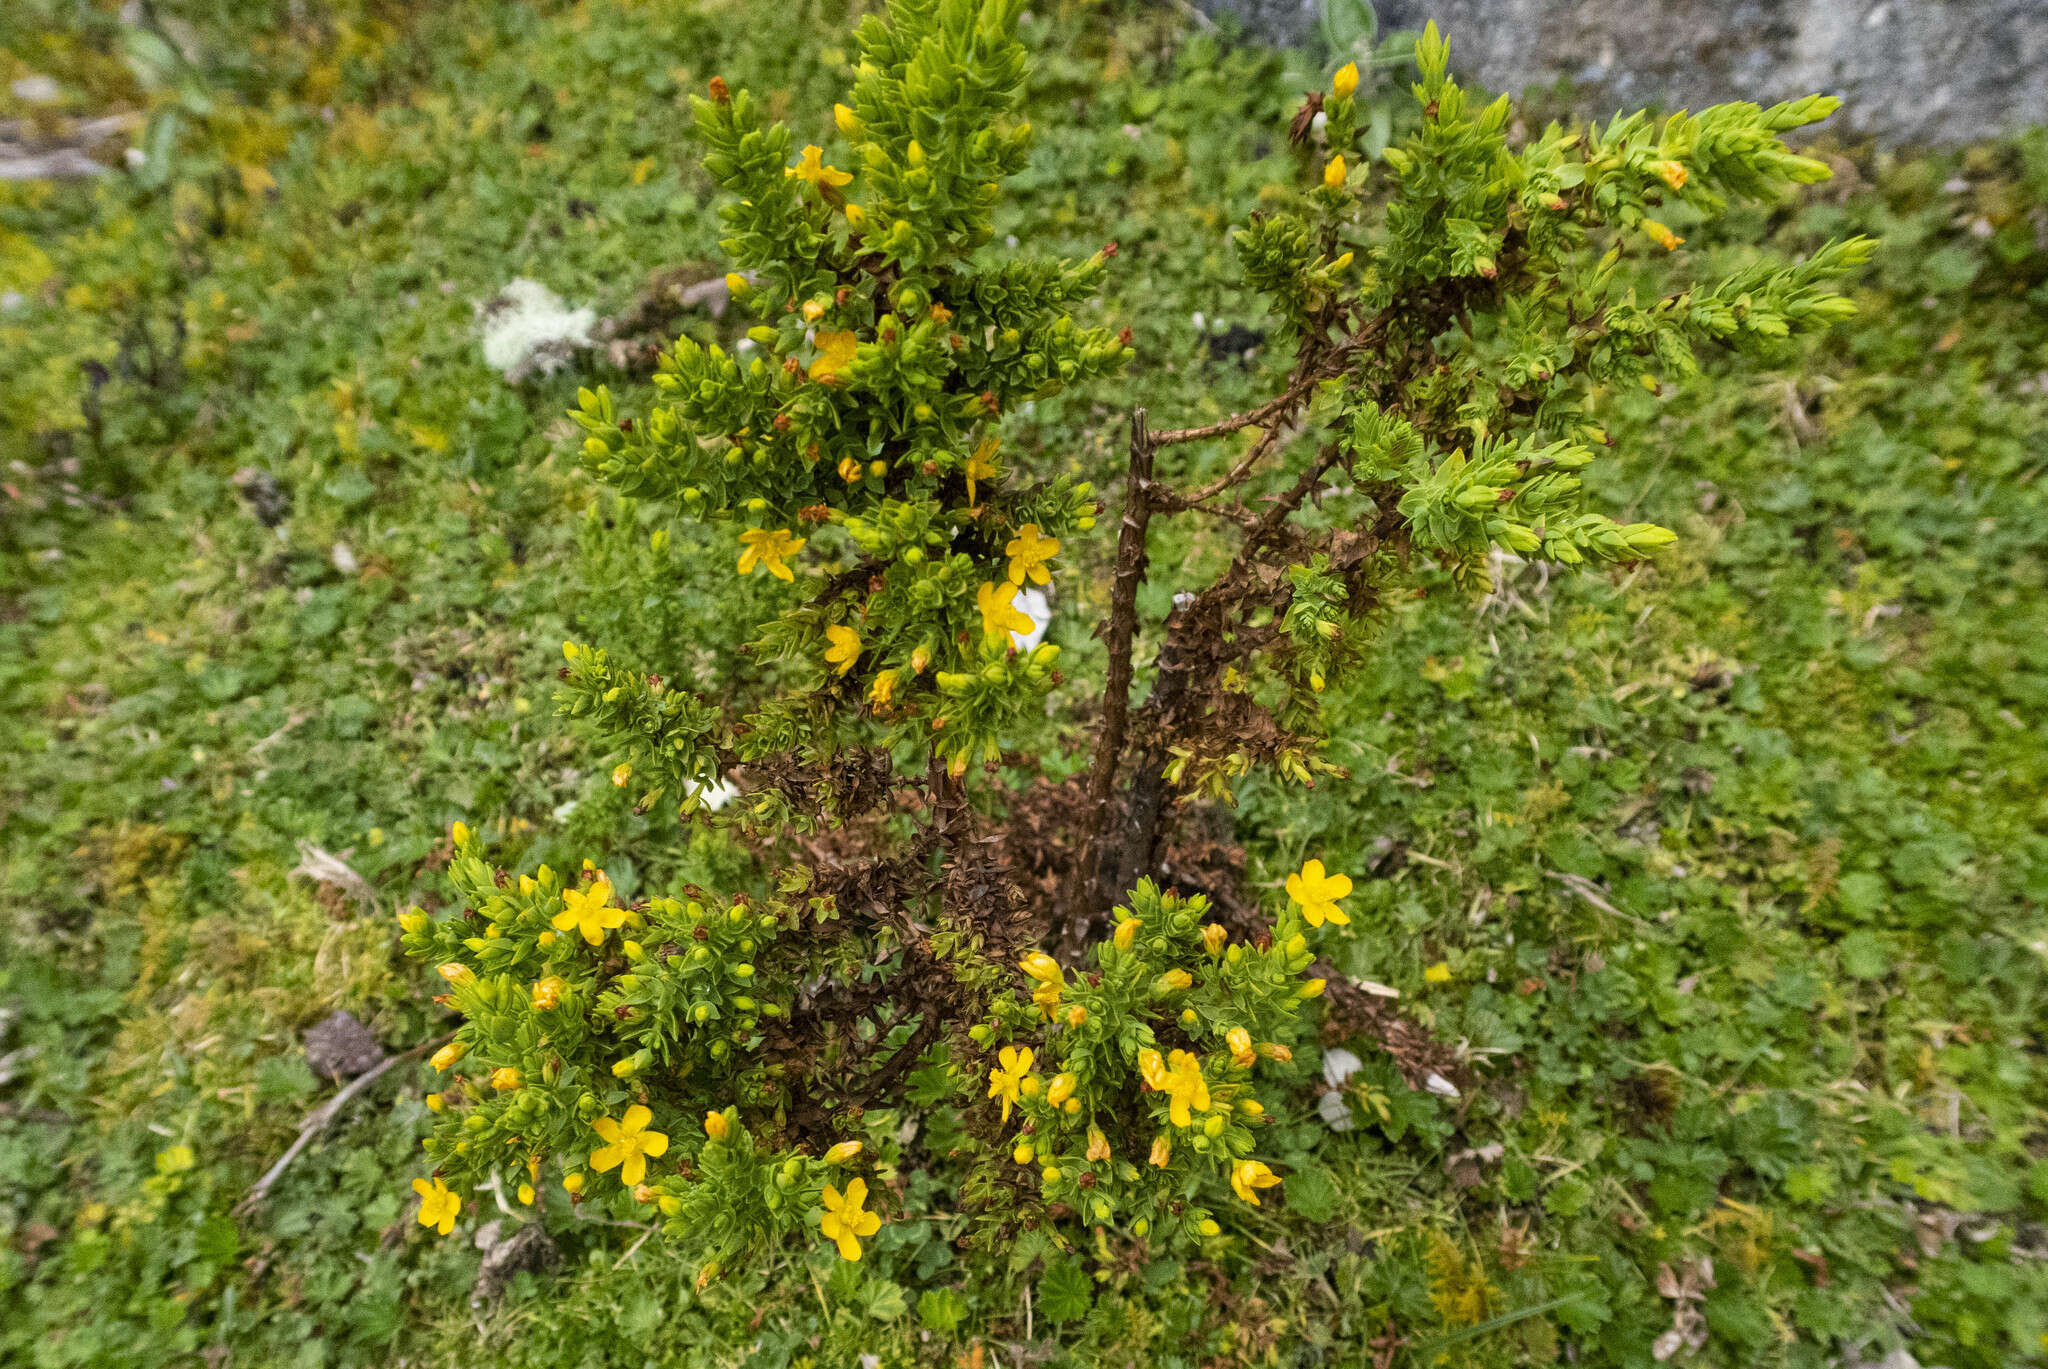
<point x="1908" y="71"/>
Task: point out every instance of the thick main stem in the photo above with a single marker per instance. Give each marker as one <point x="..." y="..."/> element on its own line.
<point x="1120" y="637"/>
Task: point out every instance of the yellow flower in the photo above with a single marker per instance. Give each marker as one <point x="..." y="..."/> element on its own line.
<point x="438" y="1205"/>
<point x="586" y="911"/>
<point x="1247" y="1175"/>
<point x="998" y="614"/>
<point x="1214" y="938"/>
<point x="1318" y="892"/>
<point x="884" y="687"/>
<point x="446" y="1057"/>
<point x="526" y="1194"/>
<point x="1076" y="1015"/>
<point x="982" y="465"/>
<point x="1662" y="235"/>
<point x="835" y="354"/>
<point x="1439" y="973"/>
<point x="628" y="1146"/>
<point x="1063" y="1086"/>
<point x="1240" y="1042"/>
<point x="737" y="284"/>
<point x="1151" y="1068"/>
<point x="856" y="217"/>
<point x="620" y="775"/>
<point x="811" y="167"/>
<point x="845" y="648"/>
<point x="436" y="1102"/>
<point x="1185" y="1088"/>
<point x="844" y="1222"/>
<point x="1672" y="174"/>
<point x="1028" y="554"/>
<point x="1007" y="1081"/>
<point x="1127" y="932"/>
<point x="716" y="1127"/>
<point x="547" y="993"/>
<point x="843" y="1153"/>
<point x="768" y="547"/>
<point x="505" y="1078"/>
<point x="1334" y="172"/>
<point x="1041" y="967"/>
<point x="1345" y="83"/>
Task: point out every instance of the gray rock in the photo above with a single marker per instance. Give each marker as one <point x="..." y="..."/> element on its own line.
<point x="339" y="1047"/>
<point x="1908" y="71"/>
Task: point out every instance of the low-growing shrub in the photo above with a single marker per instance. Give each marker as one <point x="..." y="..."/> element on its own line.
<point x="991" y="932"/>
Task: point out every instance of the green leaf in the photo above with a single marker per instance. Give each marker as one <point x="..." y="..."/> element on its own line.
<point x="1064" y="1291"/>
<point x="941" y="1310"/>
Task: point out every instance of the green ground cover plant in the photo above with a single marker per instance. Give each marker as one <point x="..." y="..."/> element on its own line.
<point x="1712" y="886"/>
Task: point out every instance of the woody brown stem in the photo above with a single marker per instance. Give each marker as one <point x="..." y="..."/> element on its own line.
<point x="1120" y="637"/>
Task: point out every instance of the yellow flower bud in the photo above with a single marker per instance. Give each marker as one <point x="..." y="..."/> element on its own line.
<point x="457" y="974"/>
<point x="1050" y="1174"/>
<point x="460" y="832"/>
<point x="1062" y="1089"/>
<point x="1345" y="83"/>
<point x="1213" y="938"/>
<point x="623" y="1069"/>
<point x="1023" y="1154"/>
<point x="505" y="1079"/>
<point x="1029" y="1085"/>
<point x="1313" y="988"/>
<point x="1334" y="173"/>
<point x="573" y="1182"/>
<point x="842" y="1153"/>
<point x="1175" y="980"/>
<point x="1209" y="1227"/>
<point x="413" y="920"/>
<point x="1251" y="1107"/>
<point x="436" y="1103"/>
<point x="526" y="1194"/>
<point x="848" y="121"/>
<point x="1672" y="174"/>
<point x="716" y="1127"/>
<point x="1098" y="1145"/>
<point x="1661" y="235"/>
<point x="1162" y="1150"/>
<point x="1126" y="933"/>
<point x="1076" y="1015"/>
<point x="1273" y="1050"/>
<point x="671" y="1206"/>
<point x="445" y="1058"/>
<point x="1240" y="1042"/>
<point x="737" y="285"/>
<point x="544" y="940"/>
<point x="644" y="1193"/>
<point x="856" y="217"/>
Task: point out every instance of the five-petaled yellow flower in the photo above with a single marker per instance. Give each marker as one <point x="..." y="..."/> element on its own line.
<point x="769" y="547"/>
<point x="1247" y="1175"/>
<point x="1028" y="554"/>
<point x="585" y="911"/>
<point x="845" y="648"/>
<point x="998" y="614"/>
<point x="844" y="1221"/>
<point x="1185" y="1088"/>
<point x="982" y="466"/>
<point x="628" y="1145"/>
<point x="438" y="1205"/>
<point x="811" y="167"/>
<point x="835" y="354"/>
<point x="1004" y="1082"/>
<point x="1317" y="892"/>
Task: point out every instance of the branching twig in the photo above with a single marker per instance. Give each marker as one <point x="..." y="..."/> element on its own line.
<point x="322" y="1117"/>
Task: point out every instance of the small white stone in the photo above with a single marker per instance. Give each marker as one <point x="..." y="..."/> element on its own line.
<point x="1033" y="604"/>
<point x="1200" y="320"/>
<point x="11" y="301"/>
<point x="37" y="89"/>
<point x="716" y="795"/>
<point x="344" y="559"/>
<point x="1339" y="1065"/>
<point x="1440" y="1086"/>
<point x="1335" y="1112"/>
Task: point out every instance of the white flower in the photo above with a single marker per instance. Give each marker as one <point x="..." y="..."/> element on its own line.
<point x="1339" y="1065"/>
<point x="715" y="795"/>
<point x="1336" y="1113"/>
<point x="1033" y="604"/>
<point x="527" y="329"/>
<point x="1319" y="123"/>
